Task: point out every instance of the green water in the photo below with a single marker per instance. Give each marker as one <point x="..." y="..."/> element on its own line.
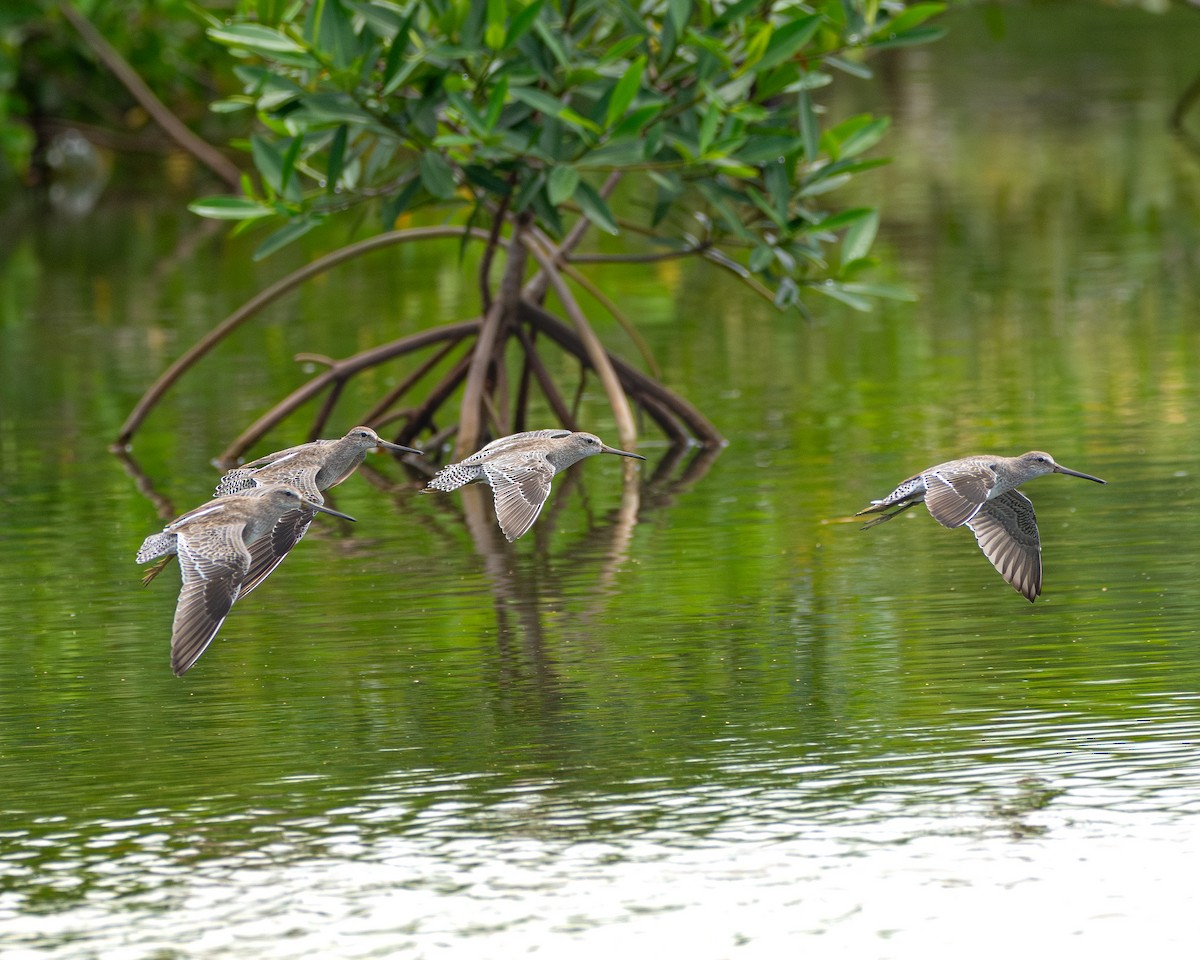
<point x="697" y="715"/>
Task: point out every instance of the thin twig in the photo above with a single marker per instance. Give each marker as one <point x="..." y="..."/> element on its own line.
<point x="626" y="324"/>
<point x="638" y="257"/>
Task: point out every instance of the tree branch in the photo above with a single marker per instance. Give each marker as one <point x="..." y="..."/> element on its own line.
<point x="203" y="151"/>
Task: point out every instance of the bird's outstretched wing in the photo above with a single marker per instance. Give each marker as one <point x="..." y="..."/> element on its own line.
<point x="213" y="567"/>
<point x="520" y="491"/>
<point x="953" y="497"/>
<point x="1006" y="529"/>
<point x="267" y="552"/>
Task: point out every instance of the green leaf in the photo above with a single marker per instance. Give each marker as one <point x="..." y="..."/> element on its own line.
<point x="910" y="38"/>
<point x="336" y="106"/>
<point x="859" y="237"/>
<point x="289" y="162"/>
<point x="708" y="126"/>
<point x="775" y="176"/>
<point x="761" y="257"/>
<point x="468" y="112"/>
<point x="563" y="181"/>
<point x="231" y="105"/>
<point x="230" y="208"/>
<point x="887" y="291"/>
<point x="594" y="208"/>
<point x="810" y="132"/>
<point x="395" y="205"/>
<point x="483" y="177"/>
<point x="764" y="149"/>
<point x="622" y="47"/>
<point x="910" y="17"/>
<point x="520" y="23"/>
<point x="494" y="35"/>
<point x="529" y="189"/>
<point x="853" y="136"/>
<point x="327" y="28"/>
<point x="268" y="161"/>
<point x="733" y="13"/>
<point x="396" y="51"/>
<point x="787" y="40"/>
<point x="862" y="71"/>
<point x="284" y="235"/>
<point x="254" y="36"/>
<point x="842" y="218"/>
<point x="679" y="11"/>
<point x="624" y="91"/>
<point x="496" y="100"/>
<point x="437" y="176"/>
<point x="637" y="121"/>
<point x="552" y="107"/>
<point x="337" y="155"/>
<point x="837" y="291"/>
<point x="552" y="42"/>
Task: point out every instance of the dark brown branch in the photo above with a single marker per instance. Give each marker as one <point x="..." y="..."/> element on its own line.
<point x="423" y="415"/>
<point x="376" y="413"/>
<point x="326" y="410"/>
<point x="534" y="363"/>
<point x="634" y="381"/>
<point x="203" y="151"/>
<point x="485" y="266"/>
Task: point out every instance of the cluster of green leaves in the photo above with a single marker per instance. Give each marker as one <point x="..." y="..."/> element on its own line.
<point x="706" y="109"/>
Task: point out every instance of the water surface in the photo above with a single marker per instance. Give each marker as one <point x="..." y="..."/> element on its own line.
<point x="701" y="714"/>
